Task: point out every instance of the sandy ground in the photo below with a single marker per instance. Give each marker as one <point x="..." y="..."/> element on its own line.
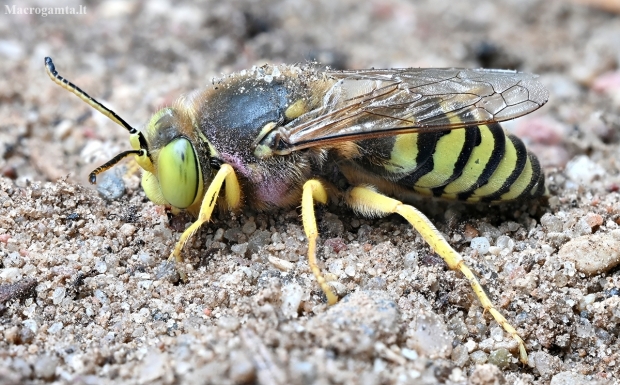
<point x="85" y="297"/>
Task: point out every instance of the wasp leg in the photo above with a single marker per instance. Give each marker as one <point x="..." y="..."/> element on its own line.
<point x="369" y="202"/>
<point x="314" y="191"/>
<point x="233" y="196"/>
<point x="133" y="168"/>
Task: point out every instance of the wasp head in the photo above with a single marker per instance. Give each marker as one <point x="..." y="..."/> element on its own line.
<point x="164" y="149"/>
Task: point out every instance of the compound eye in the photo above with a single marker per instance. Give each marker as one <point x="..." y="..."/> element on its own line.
<point x="178" y="174"/>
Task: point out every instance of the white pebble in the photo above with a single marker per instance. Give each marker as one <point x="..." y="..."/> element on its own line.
<point x="409" y="354"/>
<point x="58" y="295"/>
<point x="471" y="345"/>
<point x="480" y="244"/>
<point x="505" y="243"/>
<point x="55" y="328"/>
<point x="127" y="229"/>
<point x="281" y="264"/>
<point x="350" y="271"/>
<point x="31" y="324"/>
<point x="291" y="299"/>
<point x="10" y="274"/>
<point x="583" y="170"/>
<point x="497" y="333"/>
<point x="101" y="267"/>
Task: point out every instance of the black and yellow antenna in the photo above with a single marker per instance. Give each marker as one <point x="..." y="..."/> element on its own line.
<point x="66" y="84"/>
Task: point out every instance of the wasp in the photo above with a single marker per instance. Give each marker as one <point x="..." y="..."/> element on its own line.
<point x="275" y="136"/>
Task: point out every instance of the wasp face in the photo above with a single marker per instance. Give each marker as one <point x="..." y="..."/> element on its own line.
<point x="172" y="172"/>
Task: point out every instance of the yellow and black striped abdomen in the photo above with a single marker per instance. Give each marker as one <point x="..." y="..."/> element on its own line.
<point x="477" y="163"/>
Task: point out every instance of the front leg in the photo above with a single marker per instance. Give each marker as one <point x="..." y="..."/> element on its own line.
<point x="233" y="197"/>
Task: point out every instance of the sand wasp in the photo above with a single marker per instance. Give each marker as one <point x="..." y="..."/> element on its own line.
<point x="275" y="136"/>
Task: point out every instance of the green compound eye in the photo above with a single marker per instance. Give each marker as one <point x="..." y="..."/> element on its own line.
<point x="178" y="173"/>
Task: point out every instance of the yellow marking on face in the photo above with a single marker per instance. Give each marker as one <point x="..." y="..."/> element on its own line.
<point x="151" y="188"/>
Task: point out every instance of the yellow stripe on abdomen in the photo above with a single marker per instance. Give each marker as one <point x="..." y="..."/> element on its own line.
<point x="445" y="157"/>
<point x="478" y="162"/>
<point x="404" y="154"/>
<point x="514" y="160"/>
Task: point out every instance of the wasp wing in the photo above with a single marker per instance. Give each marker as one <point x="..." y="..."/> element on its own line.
<point x="367" y="104"/>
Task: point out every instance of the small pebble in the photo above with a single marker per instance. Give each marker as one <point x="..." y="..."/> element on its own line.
<point x="350" y="271"/>
<point x="552" y="223"/>
<point x="240" y="248"/>
<point x="228" y="323"/>
<point x="460" y="355"/>
<point x="471" y="345"/>
<point x="110" y="184"/>
<point x="497" y="333"/>
<point x="249" y="227"/>
<point x="146" y="258"/>
<point x="583" y="170"/>
<point x="127" y="229"/>
<point x="281" y="264"/>
<point x="409" y="354"/>
<point x="500" y="358"/>
<point x="478" y="357"/>
<point x="585" y="301"/>
<point x="55" y="328"/>
<point x="242" y="370"/>
<point x="545" y="363"/>
<point x="26" y="334"/>
<point x="570" y="378"/>
<point x="58" y="295"/>
<point x="487" y="375"/>
<point x="101" y="267"/>
<point x="291" y="299"/>
<point x="411" y="259"/>
<point x="29" y="325"/>
<point x="481" y="245"/>
<point x="258" y="239"/>
<point x="592" y="254"/>
<point x="429" y="336"/>
<point x="45" y="367"/>
<point x="219" y="235"/>
<point x="505" y="243"/>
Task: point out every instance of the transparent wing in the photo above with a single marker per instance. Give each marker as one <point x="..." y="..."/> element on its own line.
<point x="373" y="103"/>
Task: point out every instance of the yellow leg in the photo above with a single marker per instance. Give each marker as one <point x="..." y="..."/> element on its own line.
<point x="369" y="202"/>
<point x="233" y="194"/>
<point x="314" y="191"/>
<point x="133" y="168"/>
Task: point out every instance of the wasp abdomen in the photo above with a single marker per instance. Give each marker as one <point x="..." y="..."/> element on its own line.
<point x="477" y="163"/>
